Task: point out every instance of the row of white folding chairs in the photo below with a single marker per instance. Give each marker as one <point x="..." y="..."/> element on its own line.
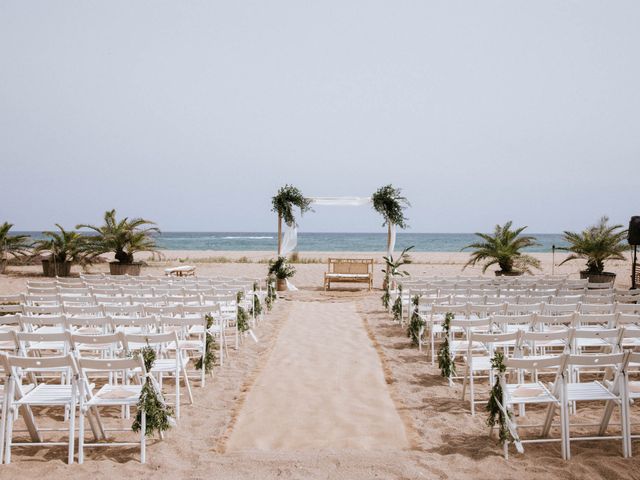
<point x="502" y="292"/>
<point x="480" y="344"/>
<point x="121" y="298"/>
<point x="509" y="322"/>
<point x="614" y="388"/>
<point x="76" y="369"/>
<point x="524" y="282"/>
<point x="187" y="326"/>
<point x="138" y="290"/>
<point x="426" y="306"/>
<point x="223" y="314"/>
<point x="54" y="304"/>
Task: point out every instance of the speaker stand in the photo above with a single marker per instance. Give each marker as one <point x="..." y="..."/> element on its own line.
<point x="634" y="265"/>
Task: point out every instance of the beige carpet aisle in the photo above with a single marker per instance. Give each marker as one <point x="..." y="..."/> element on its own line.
<point x="322" y="388"/>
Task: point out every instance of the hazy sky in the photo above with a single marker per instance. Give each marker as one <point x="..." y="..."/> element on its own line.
<point x="193" y="113"/>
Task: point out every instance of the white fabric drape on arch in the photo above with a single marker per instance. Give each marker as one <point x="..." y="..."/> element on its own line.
<point x="290" y="235"/>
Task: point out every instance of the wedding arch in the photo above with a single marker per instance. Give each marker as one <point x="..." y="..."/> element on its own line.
<point x="387" y="200"/>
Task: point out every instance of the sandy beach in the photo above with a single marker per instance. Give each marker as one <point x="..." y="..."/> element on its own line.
<point x="332" y="389"/>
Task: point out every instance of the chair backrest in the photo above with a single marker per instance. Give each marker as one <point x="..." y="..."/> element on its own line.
<point x="164" y="310"/>
<point x="188" y="321"/>
<point x="89" y="324"/>
<point x="187" y="310"/>
<point x="486" y="310"/>
<point x="547" y="336"/>
<point x="457" y="310"/>
<point x="45" y="341"/>
<point x="28" y="323"/>
<point x="115" y="341"/>
<point x="151" y="339"/>
<point x="8" y="341"/>
<point x="567" y="300"/>
<point x="42" y="310"/>
<point x="603" y="320"/>
<point x="616" y="360"/>
<point x="543" y="322"/>
<point x="623" y="320"/>
<point x="523" y="309"/>
<point x="84" y="310"/>
<point x="597" y="308"/>
<point x="610" y="336"/>
<point x="10" y="321"/>
<point x="508" y="322"/>
<point x="52" y="290"/>
<point x="537" y="363"/>
<point x="124" y="310"/>
<point x="495" y="339"/>
<point x="555" y="309"/>
<point x="111" y="364"/>
<point x="36" y="364"/>
<point x="609" y="298"/>
<point x="627" y="308"/>
<point x="74" y="291"/>
<point x="41" y="299"/>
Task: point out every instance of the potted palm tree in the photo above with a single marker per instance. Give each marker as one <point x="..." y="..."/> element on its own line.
<point x="122" y="238"/>
<point x="503" y="248"/>
<point x="64" y="248"/>
<point x="282" y="270"/>
<point x="16" y="246"/>
<point x="597" y="244"/>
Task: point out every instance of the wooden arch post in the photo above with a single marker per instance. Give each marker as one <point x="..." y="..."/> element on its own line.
<point x="388" y="237"/>
<point x="279" y="234"/>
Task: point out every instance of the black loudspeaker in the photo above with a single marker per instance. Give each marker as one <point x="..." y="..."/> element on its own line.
<point x="634" y="231"/>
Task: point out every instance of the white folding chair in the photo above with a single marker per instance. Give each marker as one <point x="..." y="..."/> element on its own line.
<point x="122" y="395"/>
<point x="594" y="390"/>
<point x="164" y="365"/>
<point x="533" y="392"/>
<point x="43" y="395"/>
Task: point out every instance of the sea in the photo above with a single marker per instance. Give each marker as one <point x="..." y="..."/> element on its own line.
<point x="328" y="242"/>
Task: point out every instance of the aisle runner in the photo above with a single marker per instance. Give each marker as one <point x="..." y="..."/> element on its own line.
<point x="322" y="387"/>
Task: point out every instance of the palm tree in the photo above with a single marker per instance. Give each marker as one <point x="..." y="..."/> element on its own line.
<point x="123" y="238"/>
<point x="597" y="244"/>
<point x="12" y="245"/>
<point x="503" y="248"/>
<point x="64" y="248"/>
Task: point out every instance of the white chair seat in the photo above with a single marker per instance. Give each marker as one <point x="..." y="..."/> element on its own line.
<point x="116" y="395"/>
<point x="45" y="394"/>
<point x="535" y="392"/>
<point x="588" y="391"/>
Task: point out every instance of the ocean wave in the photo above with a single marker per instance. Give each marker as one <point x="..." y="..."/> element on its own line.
<point x="248" y="238"/>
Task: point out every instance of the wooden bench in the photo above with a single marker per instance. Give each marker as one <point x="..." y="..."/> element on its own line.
<point x="351" y="270"/>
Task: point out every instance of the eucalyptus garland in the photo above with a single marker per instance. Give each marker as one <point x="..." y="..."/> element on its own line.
<point x="445" y="362"/>
<point x="158" y="413"/>
<point x="242" y="317"/>
<point x="415" y="322"/>
<point x="211" y="347"/>
<point x="389" y="202"/>
<point x="271" y="292"/>
<point x="497" y="415"/>
<point x="287" y="198"/>
<point x="256" y="308"/>
<point x="396" y="309"/>
<point x="386" y="298"/>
